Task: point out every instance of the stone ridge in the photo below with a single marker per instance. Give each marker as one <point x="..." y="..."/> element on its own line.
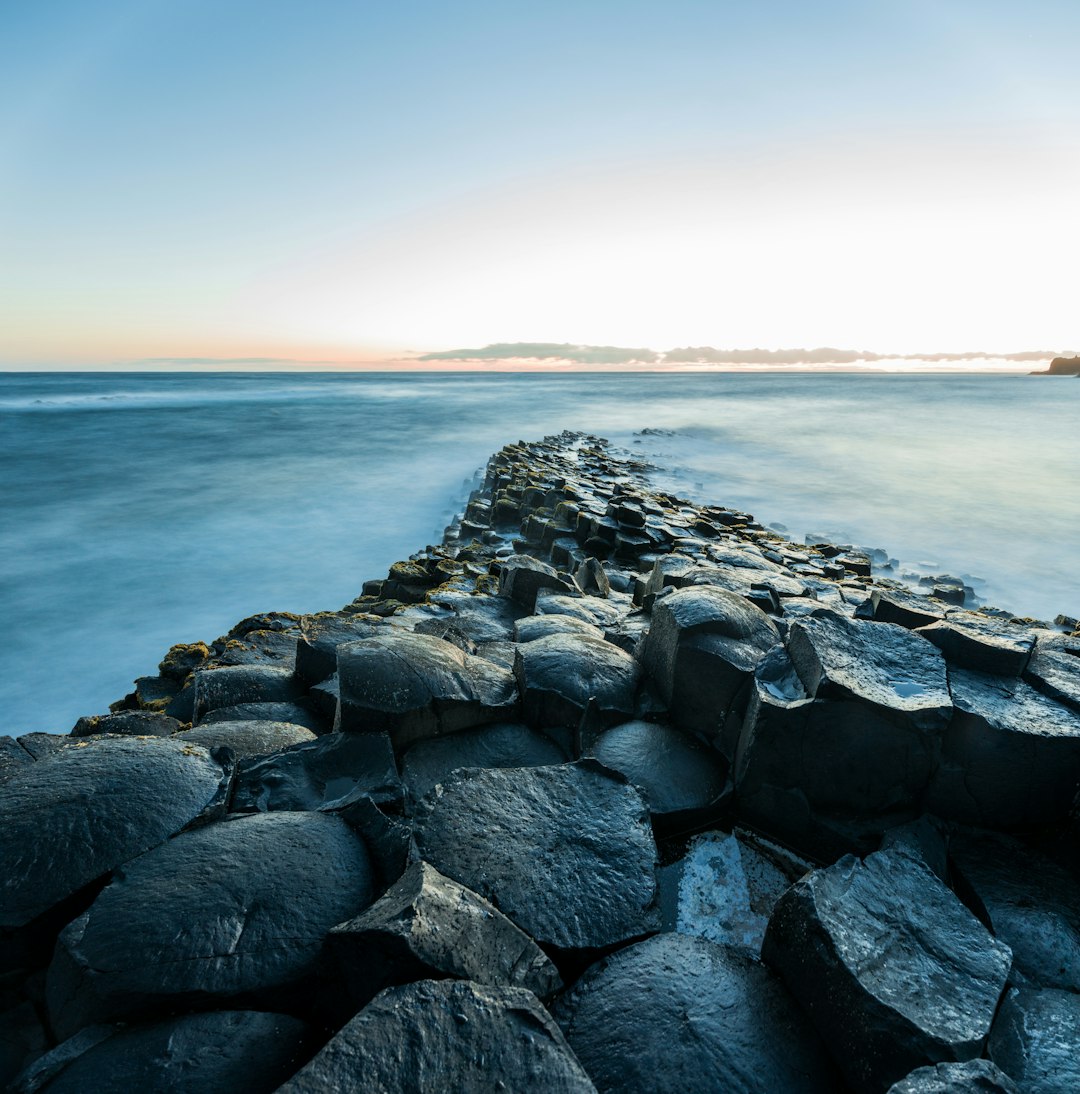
<point x="605" y="791"/>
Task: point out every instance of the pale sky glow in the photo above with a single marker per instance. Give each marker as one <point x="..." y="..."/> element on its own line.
<point x="337" y="181"/>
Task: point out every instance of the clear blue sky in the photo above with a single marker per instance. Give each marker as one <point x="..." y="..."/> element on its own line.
<point x="332" y="179"/>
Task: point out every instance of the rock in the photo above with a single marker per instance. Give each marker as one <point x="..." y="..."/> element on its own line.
<point x="906" y="609"/>
<point x="300" y="713"/>
<point x="447" y="1035"/>
<point x="482" y="618"/>
<point x="241" y="906"/>
<point x="592" y="579"/>
<point x="860" y="943"/>
<point x="1010" y="757"/>
<point x="533" y="627"/>
<point x="972" y="1077"/>
<point x="558" y="675"/>
<point x="217" y="1053"/>
<point x="701" y="650"/>
<point x="923" y="839"/>
<point x="22" y="1041"/>
<point x="246" y="738"/>
<point x="427" y="926"/>
<point x="235" y="684"/>
<point x="70" y="819"/>
<point x="675" y="773"/>
<point x="13" y="757"/>
<point x="600" y="613"/>
<point x="129" y="723"/>
<point x="1055" y="672"/>
<point x="320" y="636"/>
<point x="510" y="745"/>
<point x="318" y="772"/>
<point x="42" y="745"/>
<point x="583" y="831"/>
<point x="675" y="1014"/>
<point x="1030" y="903"/>
<point x="523" y="576"/>
<point x="973" y="642"/>
<point x="1036" y="1040"/>
<point x="415" y="686"/>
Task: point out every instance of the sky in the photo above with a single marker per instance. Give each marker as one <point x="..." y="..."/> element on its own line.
<point x="348" y="181"/>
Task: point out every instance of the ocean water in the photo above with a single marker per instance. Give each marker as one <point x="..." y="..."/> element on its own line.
<point x="142" y="510"/>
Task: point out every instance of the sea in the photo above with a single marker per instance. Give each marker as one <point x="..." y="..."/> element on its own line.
<point x="141" y="510"/>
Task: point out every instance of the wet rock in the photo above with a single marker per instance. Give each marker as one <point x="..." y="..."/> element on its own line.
<point x="300" y="713"/>
<point x="583" y="832"/>
<point x="230" y="686"/>
<point x="441" y="1035"/>
<point x="1055" y="672"/>
<point x="523" y="576"/>
<point x="544" y="626"/>
<point x="315" y="773"/>
<point x="600" y="613"/>
<point x="558" y="675"/>
<point x="701" y="650"/>
<point x="12" y="757"/>
<point x="75" y="816"/>
<point x="414" y="686"/>
<point x="428" y="926"/>
<point x="592" y="579"/>
<point x="241" y="906"/>
<point x="127" y="723"/>
<point x="320" y="636"/>
<point x="906" y="609"/>
<point x="217" y="1053"/>
<point x="972" y="642"/>
<point x="971" y="1077"/>
<point x="675" y="1013"/>
<point x="1010" y="757"/>
<point x="1036" y="1040"/>
<point x="859" y="943"/>
<point x="246" y="738"/>
<point x="1029" y="902"/>
<point x="510" y="745"/>
<point x="482" y="618"/>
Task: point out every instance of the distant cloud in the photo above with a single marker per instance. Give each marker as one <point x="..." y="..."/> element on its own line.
<point x="172" y="362"/>
<point x="549" y="351"/>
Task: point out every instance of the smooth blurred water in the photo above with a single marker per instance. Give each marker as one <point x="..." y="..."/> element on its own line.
<point x="143" y="510"/>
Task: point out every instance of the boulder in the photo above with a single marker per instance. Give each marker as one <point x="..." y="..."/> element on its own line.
<point x="521" y="578"/>
<point x="701" y="651"/>
<point x="970" y="641"/>
<point x="971" y="1077"/>
<point x="246" y="738"/>
<point x="675" y="1013"/>
<point x="238" y="907"/>
<point x="582" y="831"/>
<point x="216" y="1053"/>
<point x="70" y="819"/>
<point x="427" y="926"/>
<point x="894" y="971"/>
<point x="318" y="772"/>
<point x="300" y="713"/>
<point x="558" y="675"/>
<point x="441" y="1035"/>
<point x="1036" y="1040"/>
<point x="127" y="723"/>
<point x="414" y="686"/>
<point x="235" y="684"/>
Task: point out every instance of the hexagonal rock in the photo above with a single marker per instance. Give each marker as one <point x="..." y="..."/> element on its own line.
<point x="241" y="906"/>
<point x="904" y="608"/>
<point x="319" y="772"/>
<point x="415" y="685"/>
<point x="428" y="926"/>
<point x="566" y="852"/>
<point x="701" y="650"/>
<point x="533" y="627"/>
<point x="441" y="1035"/>
<point x="511" y="745"/>
<point x="236" y="684"/>
<point x="216" y="1053"/>
<point x="674" y="772"/>
<point x="1010" y="757"/>
<point x="80" y="813"/>
<point x="320" y="636"/>
<point x="971" y="641"/>
<point x="558" y="675"/>
<point x="894" y="971"/>
<point x="1036" y="1040"/>
<point x="523" y="576"/>
<point x="971" y="1077"/>
<point x="675" y="1013"/>
<point x="246" y="738"/>
<point x="589" y="609"/>
<point x="881" y="664"/>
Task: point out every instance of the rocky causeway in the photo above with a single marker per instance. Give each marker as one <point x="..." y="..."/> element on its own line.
<point x="607" y="791"/>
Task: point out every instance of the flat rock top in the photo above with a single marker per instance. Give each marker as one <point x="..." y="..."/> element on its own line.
<point x="91" y="806"/>
<point x="717" y="611"/>
<point x="1012" y="705"/>
<point x="247" y="738"/>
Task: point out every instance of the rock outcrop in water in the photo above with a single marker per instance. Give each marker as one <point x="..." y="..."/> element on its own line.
<point x="607" y="791"/>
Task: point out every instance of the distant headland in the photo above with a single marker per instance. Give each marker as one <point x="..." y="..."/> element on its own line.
<point x="1062" y="366"/>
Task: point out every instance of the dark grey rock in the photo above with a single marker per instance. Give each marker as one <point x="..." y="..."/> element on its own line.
<point x="128" y="723"/>
<point x="601" y="613"/>
<point x="42" y="745"/>
<point x="1010" y="757"/>
<point x="973" y="642"/>
<point x="447" y="1035"/>
<point x="414" y="686"/>
<point x="241" y="906"/>
<point x="1055" y="672"/>
<point x="1029" y="902"/>
<point x="318" y="772"/>
<point x="533" y="627"/>
<point x="906" y="609"/>
<point x="701" y="651"/>
<point x="1036" y="1040"/>
<point x="676" y="1014"/>
<point x="12" y="757"/>
<point x="523" y="576"/>
<point x="592" y="579"/>
<point x="482" y="618"/>
<point x="75" y="816"/>
<point x="924" y="839"/>
<point x="427" y="926"/>
<point x="583" y="833"/>
<point x="236" y="684"/>
<point x="246" y="738"/>
<point x="221" y="1052"/>
<point x="320" y="636"/>
<point x="22" y="1041"/>
<point x="971" y="1077"/>
<point x="894" y="971"/>
<point x="510" y="745"/>
<point x="301" y="713"/>
<point x="46" y="1067"/>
